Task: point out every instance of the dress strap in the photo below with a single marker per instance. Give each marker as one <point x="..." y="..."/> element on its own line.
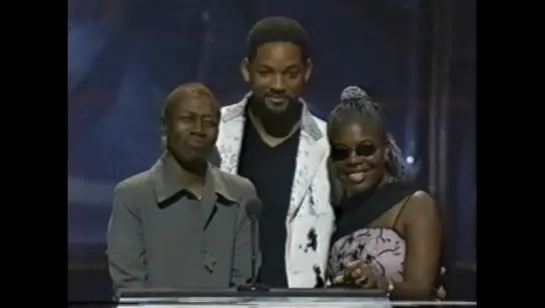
<point x="398" y="214"/>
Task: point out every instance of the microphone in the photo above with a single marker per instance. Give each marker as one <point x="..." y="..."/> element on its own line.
<point x="254" y="209"/>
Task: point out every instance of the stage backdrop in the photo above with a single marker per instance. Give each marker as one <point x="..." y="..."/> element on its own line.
<point x="125" y="56"/>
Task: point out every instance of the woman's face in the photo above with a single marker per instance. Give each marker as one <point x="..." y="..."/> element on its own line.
<point x="359" y="154"/>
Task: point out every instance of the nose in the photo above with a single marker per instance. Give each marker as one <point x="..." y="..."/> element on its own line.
<point x="353" y="159"/>
<point x="278" y="84"/>
<point x="197" y="128"/>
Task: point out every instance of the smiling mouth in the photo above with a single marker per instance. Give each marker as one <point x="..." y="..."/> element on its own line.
<point x="277" y="100"/>
<point x="197" y="144"/>
<point x="357" y="177"/>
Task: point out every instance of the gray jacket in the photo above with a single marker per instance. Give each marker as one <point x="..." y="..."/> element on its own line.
<point x="160" y="236"/>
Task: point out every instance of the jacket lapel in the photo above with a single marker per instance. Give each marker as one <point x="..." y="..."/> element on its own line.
<point x="230" y="136"/>
<point x="309" y="156"/>
<point x="310" y="152"/>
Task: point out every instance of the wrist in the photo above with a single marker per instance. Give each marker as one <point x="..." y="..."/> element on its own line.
<point x="387" y="285"/>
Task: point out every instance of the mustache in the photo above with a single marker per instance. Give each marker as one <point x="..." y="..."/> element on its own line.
<point x="272" y="95"/>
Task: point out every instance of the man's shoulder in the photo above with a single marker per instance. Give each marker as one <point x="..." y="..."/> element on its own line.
<point x="322" y="125"/>
<point x="236" y="186"/>
<point x="229" y="107"/>
<point x="315" y="122"/>
<point x="235" y="181"/>
<point x="134" y="183"/>
<point x="232" y="110"/>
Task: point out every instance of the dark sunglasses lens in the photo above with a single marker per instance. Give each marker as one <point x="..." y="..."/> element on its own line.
<point x="339" y="153"/>
<point x="366" y="150"/>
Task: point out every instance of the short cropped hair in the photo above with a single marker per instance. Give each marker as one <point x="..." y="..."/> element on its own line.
<point x="185" y="91"/>
<point x="277" y="29"/>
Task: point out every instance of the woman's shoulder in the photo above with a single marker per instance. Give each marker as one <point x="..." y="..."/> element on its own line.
<point x="421" y="200"/>
<point x="420" y="206"/>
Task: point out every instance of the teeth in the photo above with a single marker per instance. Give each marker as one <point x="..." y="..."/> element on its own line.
<point x="356" y="177"/>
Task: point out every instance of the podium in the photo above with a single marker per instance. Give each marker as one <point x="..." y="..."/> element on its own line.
<point x="331" y="298"/>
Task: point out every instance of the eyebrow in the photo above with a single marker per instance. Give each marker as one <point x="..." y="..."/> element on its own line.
<point x="289" y="68"/>
<point x="189" y="112"/>
<point x="366" y="141"/>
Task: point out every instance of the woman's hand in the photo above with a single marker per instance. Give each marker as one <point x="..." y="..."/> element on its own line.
<point x="362" y="274"/>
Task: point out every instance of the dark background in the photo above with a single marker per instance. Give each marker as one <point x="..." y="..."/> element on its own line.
<point x="125" y="56"/>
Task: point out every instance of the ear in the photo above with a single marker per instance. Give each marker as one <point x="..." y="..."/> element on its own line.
<point x="163" y="132"/>
<point x="387" y="152"/>
<point x="245" y="70"/>
<point x="308" y="70"/>
<point x="163" y="124"/>
<point x="163" y="129"/>
<point x="163" y="142"/>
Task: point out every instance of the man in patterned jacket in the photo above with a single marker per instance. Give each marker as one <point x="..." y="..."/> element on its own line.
<point x="271" y="138"/>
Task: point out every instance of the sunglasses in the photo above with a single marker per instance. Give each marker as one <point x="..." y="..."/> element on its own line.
<point x="363" y="150"/>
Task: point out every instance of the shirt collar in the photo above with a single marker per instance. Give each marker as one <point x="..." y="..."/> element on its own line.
<point x="167" y="182"/>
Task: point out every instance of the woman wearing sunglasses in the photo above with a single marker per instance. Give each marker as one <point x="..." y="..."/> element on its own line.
<point x="389" y="235"/>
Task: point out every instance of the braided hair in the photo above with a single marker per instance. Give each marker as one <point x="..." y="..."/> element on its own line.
<point x="357" y="106"/>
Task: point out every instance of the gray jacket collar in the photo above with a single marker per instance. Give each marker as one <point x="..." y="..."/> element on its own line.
<point x="166" y="181"/>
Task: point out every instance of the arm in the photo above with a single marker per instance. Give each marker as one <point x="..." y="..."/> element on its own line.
<point x="242" y="258"/>
<point x="423" y="230"/>
<point x="126" y="254"/>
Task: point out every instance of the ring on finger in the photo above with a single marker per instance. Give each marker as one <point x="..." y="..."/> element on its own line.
<point x="362" y="280"/>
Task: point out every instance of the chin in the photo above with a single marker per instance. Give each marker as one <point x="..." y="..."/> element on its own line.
<point x="361" y="187"/>
<point x="277" y="110"/>
<point x="194" y="164"/>
<point x="188" y="156"/>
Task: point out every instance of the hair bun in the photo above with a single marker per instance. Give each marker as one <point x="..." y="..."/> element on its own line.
<point x="353" y="93"/>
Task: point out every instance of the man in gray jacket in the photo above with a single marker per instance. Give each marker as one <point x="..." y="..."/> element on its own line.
<point x="182" y="223"/>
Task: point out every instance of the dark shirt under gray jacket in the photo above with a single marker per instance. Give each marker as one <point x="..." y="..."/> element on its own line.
<point x="161" y="236"/>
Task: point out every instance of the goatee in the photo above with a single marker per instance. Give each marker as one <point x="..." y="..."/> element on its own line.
<point x="277" y="125"/>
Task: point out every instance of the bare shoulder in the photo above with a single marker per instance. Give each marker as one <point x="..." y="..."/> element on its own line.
<point x="421" y="206"/>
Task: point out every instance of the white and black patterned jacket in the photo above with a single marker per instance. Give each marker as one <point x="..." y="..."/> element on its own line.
<point x="310" y="218"/>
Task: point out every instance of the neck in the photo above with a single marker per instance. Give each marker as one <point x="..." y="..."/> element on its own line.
<point x="367" y="193"/>
<point x="191" y="174"/>
<point x="280" y="126"/>
<point x="190" y="179"/>
<point x="271" y="139"/>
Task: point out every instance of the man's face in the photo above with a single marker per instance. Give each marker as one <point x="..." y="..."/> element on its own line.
<point x="277" y="76"/>
<point x="192" y="128"/>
